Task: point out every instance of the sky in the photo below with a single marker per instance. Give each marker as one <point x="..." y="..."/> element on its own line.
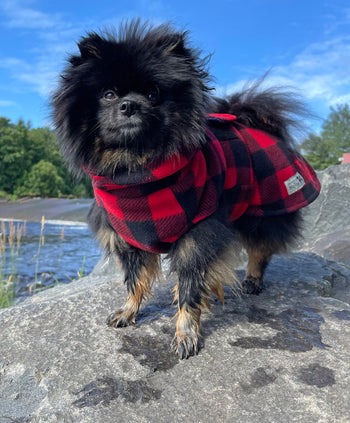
<point x="305" y="44"/>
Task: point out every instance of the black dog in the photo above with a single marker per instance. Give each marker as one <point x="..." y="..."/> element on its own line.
<point x="176" y="171"/>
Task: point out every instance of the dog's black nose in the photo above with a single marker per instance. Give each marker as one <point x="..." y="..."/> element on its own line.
<point x="128" y="107"/>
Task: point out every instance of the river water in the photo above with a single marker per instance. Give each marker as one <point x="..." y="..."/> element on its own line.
<point x="56" y="252"/>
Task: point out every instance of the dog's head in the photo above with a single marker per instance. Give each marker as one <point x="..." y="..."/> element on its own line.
<point x="139" y="93"/>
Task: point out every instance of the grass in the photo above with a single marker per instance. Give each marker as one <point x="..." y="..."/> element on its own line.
<point x="41" y="242"/>
<point x="10" y="244"/>
<point x="10" y="240"/>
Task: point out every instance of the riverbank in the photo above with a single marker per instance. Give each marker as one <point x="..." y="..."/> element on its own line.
<point x="32" y="209"/>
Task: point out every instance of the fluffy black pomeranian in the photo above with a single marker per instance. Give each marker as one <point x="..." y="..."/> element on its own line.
<point x="177" y="171"/>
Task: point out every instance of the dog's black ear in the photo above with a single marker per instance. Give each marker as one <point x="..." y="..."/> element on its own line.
<point x="91" y="46"/>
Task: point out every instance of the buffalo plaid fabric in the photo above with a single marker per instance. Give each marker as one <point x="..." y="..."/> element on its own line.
<point x="239" y="170"/>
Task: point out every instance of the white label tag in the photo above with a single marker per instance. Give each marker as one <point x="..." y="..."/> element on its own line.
<point x="294" y="184"/>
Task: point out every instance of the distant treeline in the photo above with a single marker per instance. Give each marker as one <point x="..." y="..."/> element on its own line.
<point x="31" y="164"/>
<point x="328" y="147"/>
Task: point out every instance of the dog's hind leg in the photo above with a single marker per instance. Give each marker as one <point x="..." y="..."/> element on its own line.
<point x="259" y="257"/>
<point x="263" y="237"/>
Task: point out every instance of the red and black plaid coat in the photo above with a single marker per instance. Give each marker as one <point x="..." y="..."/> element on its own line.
<point x="239" y="170"/>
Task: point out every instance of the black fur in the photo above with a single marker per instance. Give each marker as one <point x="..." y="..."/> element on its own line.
<point x="193" y="253"/>
<point x="280" y="232"/>
<point x="135" y="63"/>
<point x="275" y="110"/>
<point x="142" y="93"/>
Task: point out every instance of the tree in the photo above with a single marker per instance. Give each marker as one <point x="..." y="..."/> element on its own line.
<point x="31" y="163"/>
<point x="43" y="145"/>
<point x="318" y="152"/>
<point x="336" y="129"/>
<point x="14" y="158"/>
<point x="42" y="180"/>
<point x="327" y="148"/>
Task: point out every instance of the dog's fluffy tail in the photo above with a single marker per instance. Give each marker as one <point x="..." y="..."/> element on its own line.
<point x="277" y="110"/>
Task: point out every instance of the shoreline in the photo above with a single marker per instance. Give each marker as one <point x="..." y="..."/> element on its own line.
<point x="54" y="209"/>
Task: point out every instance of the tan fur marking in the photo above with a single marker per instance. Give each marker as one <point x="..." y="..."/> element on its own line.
<point x="143" y="287"/>
<point x="188" y="320"/>
<point x="93" y="50"/>
<point x="147" y="276"/>
<point x="130" y="309"/>
<point x="258" y="259"/>
<point x="175" y="292"/>
<point x="107" y="239"/>
<point x="221" y="272"/>
<point x="173" y="46"/>
<point x="187" y="325"/>
<point x="188" y="246"/>
<point x="110" y="159"/>
<point x="142" y="291"/>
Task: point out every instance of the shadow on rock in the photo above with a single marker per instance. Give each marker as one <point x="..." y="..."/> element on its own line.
<point x="298" y="330"/>
<point x="106" y="389"/>
<point x="153" y="352"/>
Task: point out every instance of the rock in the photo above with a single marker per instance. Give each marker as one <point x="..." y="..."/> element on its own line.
<point x="334" y="246"/>
<point x="281" y="356"/>
<point x="330" y="212"/>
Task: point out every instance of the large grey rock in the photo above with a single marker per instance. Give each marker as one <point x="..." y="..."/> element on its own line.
<point x="330" y="212"/>
<point x="282" y="356"/>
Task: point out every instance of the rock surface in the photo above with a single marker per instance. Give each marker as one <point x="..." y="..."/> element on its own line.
<point x="282" y="356"/>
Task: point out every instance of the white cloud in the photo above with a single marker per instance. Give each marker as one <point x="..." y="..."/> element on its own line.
<point x="340" y="99"/>
<point x="20" y="16"/>
<point x="38" y="76"/>
<point x="38" y="71"/>
<point x="40" y="81"/>
<point x="320" y="72"/>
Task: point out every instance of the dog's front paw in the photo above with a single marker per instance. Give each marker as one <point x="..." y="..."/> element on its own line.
<point x="185" y="346"/>
<point x="120" y="318"/>
<point x="253" y="286"/>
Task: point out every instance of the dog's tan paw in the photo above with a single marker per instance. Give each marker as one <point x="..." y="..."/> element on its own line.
<point x="120" y="318"/>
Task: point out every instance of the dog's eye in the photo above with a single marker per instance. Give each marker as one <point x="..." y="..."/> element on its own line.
<point x="154" y="96"/>
<point x="110" y="95"/>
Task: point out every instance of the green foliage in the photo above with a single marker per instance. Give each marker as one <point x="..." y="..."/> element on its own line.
<point x="327" y="148"/>
<point x="14" y="159"/>
<point x="31" y="163"/>
<point x="43" y="180"/>
<point x="318" y="152"/>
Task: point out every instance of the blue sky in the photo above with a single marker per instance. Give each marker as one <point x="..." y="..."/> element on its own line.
<point x="306" y="43"/>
